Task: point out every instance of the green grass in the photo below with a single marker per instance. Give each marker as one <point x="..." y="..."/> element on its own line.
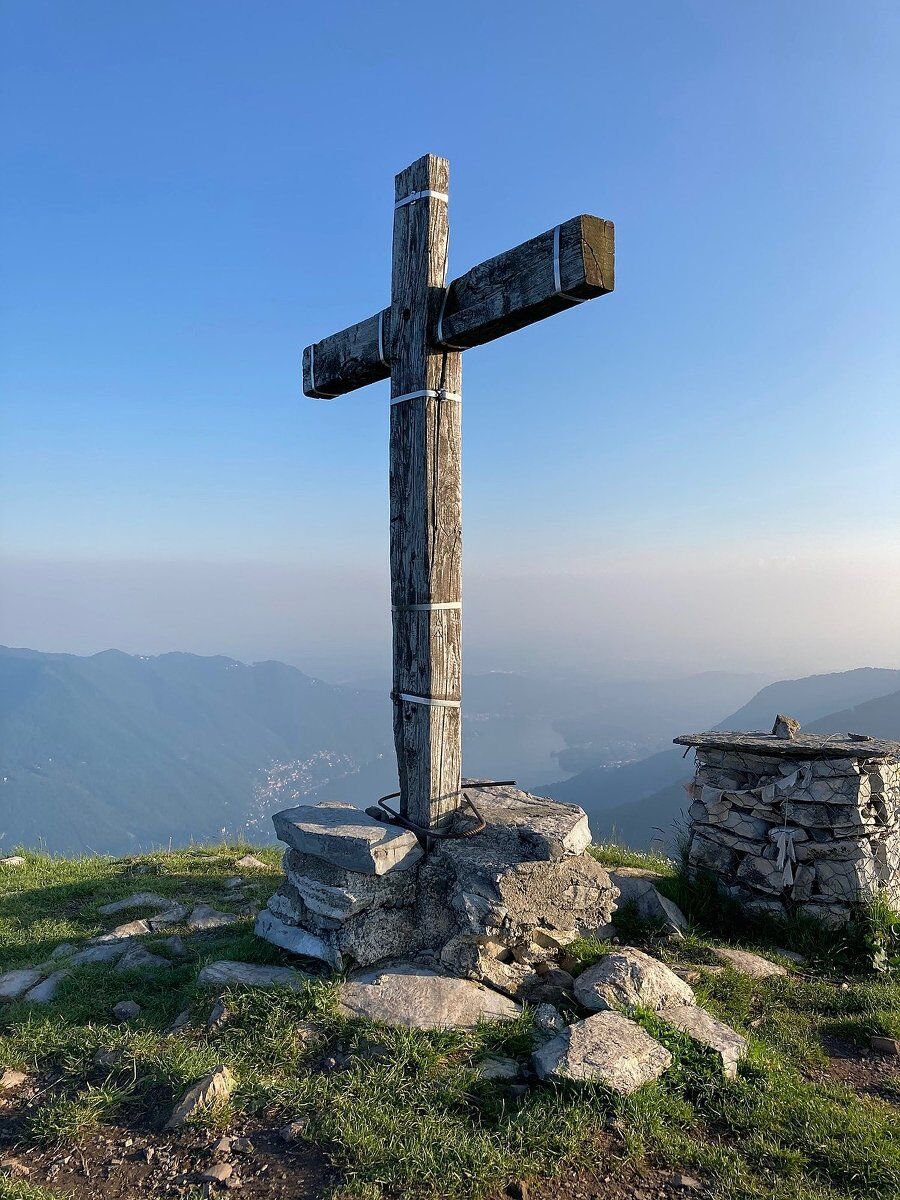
<point x="414" y="1119"/>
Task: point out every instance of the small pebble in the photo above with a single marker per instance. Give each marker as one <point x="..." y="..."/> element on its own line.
<point x="294" y="1131"/>
<point x="222" y="1146"/>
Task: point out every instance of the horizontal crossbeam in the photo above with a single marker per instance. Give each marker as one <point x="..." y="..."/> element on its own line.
<point x="543" y="276"/>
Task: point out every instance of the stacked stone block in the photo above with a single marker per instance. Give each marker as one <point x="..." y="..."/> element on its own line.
<point x="792" y="833"/>
<point x="495" y="907"/>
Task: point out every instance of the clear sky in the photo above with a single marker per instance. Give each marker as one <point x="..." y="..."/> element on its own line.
<point x="698" y="471"/>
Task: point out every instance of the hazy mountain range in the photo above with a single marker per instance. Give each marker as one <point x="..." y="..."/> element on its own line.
<point x="115" y="752"/>
<point x="640" y="803"/>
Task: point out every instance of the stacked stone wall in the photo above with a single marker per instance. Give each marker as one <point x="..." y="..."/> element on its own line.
<point x="786" y="835"/>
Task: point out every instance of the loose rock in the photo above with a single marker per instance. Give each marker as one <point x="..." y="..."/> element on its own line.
<point x="45" y="992"/>
<point x="495" y="1070"/>
<point x="747" y="963"/>
<point x="606" y="1048"/>
<point x="885" y="1045"/>
<point x="638" y="888"/>
<point x="13" y="860"/>
<point x="181" y="1021"/>
<point x="225" y="972"/>
<point x="212" y="1088"/>
<point x="627" y="978"/>
<point x="126" y="1010"/>
<point x="14" y="984"/>
<point x="251" y="863"/>
<point x="121" y="932"/>
<point x="136" y="958"/>
<point x="294" y="1131"/>
<point x="218" y="1172"/>
<point x="422" y="999"/>
<point x="709" y="1032"/>
<point x="219" y="1015"/>
<point x="204" y="917"/>
<point x="548" y="1021"/>
<point x="138" y="900"/>
<point x="10" y="1080"/>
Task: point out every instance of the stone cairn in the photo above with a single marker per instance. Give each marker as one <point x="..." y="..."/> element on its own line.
<point x="790" y="822"/>
<point x="497" y="907"/>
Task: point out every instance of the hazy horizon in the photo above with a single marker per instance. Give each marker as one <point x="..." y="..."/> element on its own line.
<point x="696" y="472"/>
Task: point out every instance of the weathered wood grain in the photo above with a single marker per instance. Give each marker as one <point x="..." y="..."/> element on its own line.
<point x="425" y="505"/>
<point x="497" y="297"/>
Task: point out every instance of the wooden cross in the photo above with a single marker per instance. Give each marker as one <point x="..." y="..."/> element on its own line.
<point x="417" y="341"/>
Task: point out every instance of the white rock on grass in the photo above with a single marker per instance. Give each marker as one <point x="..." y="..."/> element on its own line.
<point x="709" y="1032"/>
<point x="747" y="963"/>
<point x="45" y="992"/>
<point x="14" y="860"/>
<point x="251" y="863"/>
<point x="628" y="978"/>
<point x="138" y="900"/>
<point x="14" y="984"/>
<point x="205" y="917"/>
<point x="211" y="1089"/>
<point x="250" y="975"/>
<point x="606" y="1048"/>
<point x="121" y="932"/>
<point x="418" y="998"/>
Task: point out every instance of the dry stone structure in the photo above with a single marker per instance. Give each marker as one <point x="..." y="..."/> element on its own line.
<point x="495" y="907"/>
<point x="791" y="822"/>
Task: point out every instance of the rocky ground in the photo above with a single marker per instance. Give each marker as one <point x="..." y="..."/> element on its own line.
<point x="151" y="1044"/>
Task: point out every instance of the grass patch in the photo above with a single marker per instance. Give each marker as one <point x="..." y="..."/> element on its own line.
<point x="403" y="1113"/>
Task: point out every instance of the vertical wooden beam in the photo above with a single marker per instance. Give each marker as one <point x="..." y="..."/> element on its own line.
<point x="426" y="503"/>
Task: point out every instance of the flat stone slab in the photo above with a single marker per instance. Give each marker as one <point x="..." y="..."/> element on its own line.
<point x="550" y="828"/>
<point x="14" y="984"/>
<point x="225" y="973"/>
<point x="748" y="963"/>
<point x="204" y="917"/>
<point x="606" y="1048"/>
<point x="628" y="978"/>
<point x="803" y="745"/>
<point x="294" y="939"/>
<point x="131" y="929"/>
<point x="347" y="837"/>
<point x="709" y="1032"/>
<point x="138" y="900"/>
<point x="418" y="998"/>
<point x="136" y="958"/>
<point x="45" y="992"/>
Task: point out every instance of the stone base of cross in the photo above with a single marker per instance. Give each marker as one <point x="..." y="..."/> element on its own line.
<point x="418" y="342"/>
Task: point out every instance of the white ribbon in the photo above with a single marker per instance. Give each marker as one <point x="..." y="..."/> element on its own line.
<point x="784" y="840"/>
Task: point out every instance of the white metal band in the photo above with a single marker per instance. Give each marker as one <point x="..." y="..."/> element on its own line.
<point x="442" y="394"/>
<point x="384" y="361"/>
<point x="429" y="700"/>
<point x="413" y="196"/>
<point x="440" y="326"/>
<point x="557" y="282"/>
<point x="426" y="607"/>
<point x="312" y="377"/>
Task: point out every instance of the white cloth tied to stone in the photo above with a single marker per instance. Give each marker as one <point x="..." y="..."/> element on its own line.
<point x="787" y="855"/>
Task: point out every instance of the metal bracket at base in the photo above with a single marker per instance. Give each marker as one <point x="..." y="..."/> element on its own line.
<point x="383" y="812"/>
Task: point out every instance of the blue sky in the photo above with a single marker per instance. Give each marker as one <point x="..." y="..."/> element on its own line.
<point x="707" y="457"/>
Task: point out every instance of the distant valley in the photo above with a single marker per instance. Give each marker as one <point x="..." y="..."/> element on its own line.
<point x="116" y="752"/>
